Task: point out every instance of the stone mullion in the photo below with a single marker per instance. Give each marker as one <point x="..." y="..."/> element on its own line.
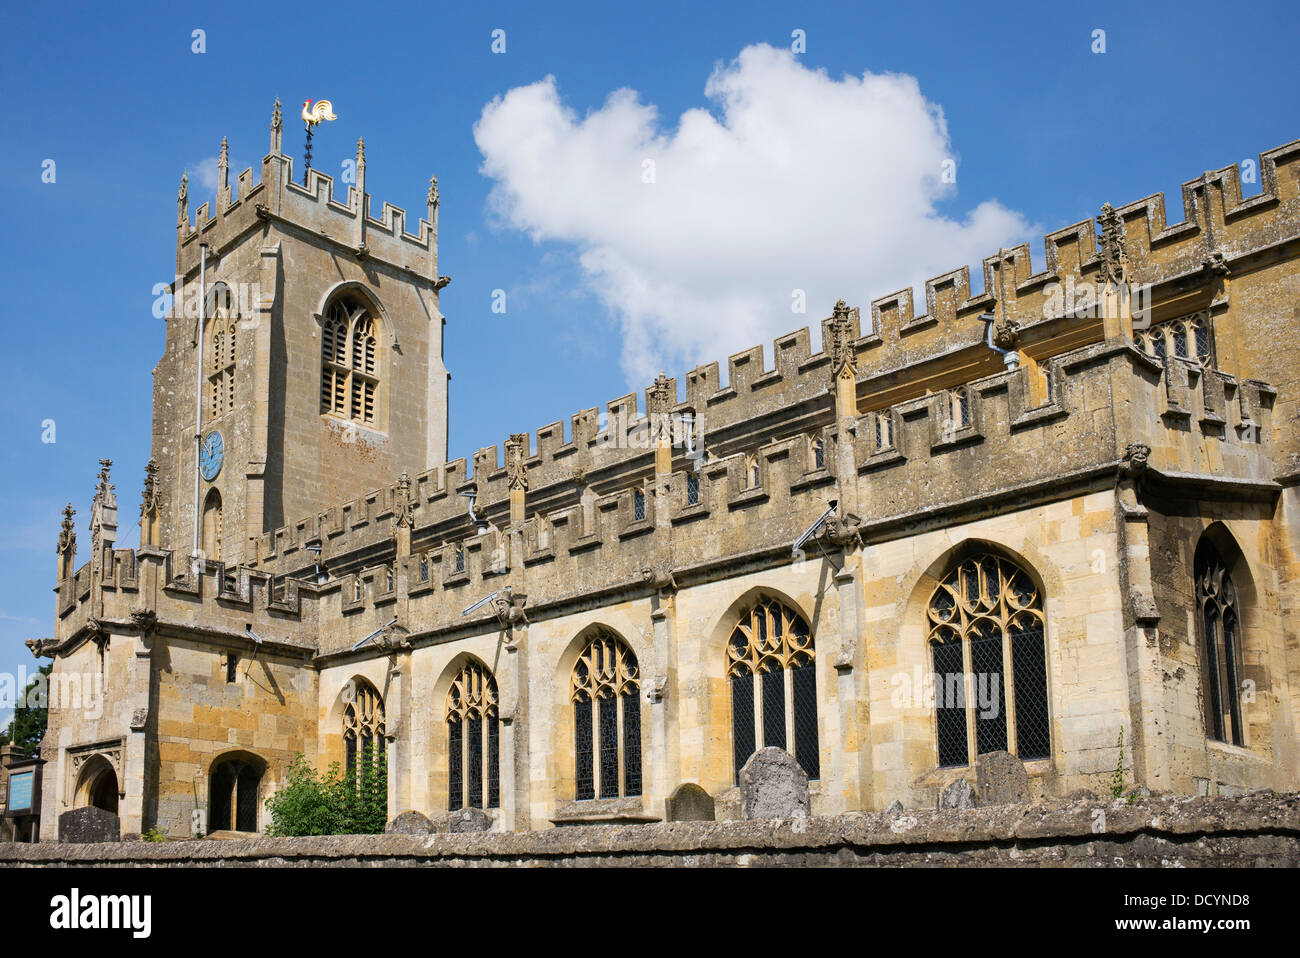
<point x="967" y="680"/>
<point x="1008" y="685"/>
<point x="596" y="776"/>
<point x="787" y="688"/>
<point x="464" y="760"/>
<point x="1009" y="664"/>
<point x="233" y="803"/>
<point x="484" y="734"/>
<point x="620" y="758"/>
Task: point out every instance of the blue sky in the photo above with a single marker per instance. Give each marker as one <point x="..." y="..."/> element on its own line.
<point x="603" y="282"/>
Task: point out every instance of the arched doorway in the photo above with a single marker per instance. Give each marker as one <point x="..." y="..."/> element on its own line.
<point x="98" y="785"/>
<point x="234" y="793"/>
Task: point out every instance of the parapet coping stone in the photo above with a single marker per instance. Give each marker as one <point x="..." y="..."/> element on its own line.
<point x="1181" y="818"/>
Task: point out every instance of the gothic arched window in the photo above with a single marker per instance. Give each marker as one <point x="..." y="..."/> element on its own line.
<point x="606" y="719"/>
<point x="985" y="624"/>
<point x="959" y="407"/>
<point x="692" y="488"/>
<point x="773" y="685"/>
<point x="1219" y="625"/>
<point x="817" y="450"/>
<point x="349" y="370"/>
<point x="884" y="431"/>
<point x="1187" y="337"/>
<point x="363" y="727"/>
<point x="473" y="740"/>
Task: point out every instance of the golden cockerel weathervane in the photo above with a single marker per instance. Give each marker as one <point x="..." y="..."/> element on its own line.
<point x="314" y="112"/>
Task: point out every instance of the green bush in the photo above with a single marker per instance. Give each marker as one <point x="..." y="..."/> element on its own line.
<point x="330" y="803"/>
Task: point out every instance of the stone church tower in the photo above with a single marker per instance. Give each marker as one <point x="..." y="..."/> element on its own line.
<point x="320" y="359"/>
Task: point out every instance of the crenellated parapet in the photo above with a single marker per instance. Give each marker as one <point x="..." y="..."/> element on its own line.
<point x="937" y="462"/>
<point x="895" y="357"/>
<point x="347" y="223"/>
<point x="1105" y="397"/>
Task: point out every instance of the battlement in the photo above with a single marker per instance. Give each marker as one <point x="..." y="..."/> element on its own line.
<point x="896" y="350"/>
<point x="1217" y="223"/>
<point x="1198" y="425"/>
<point x="310" y="206"/>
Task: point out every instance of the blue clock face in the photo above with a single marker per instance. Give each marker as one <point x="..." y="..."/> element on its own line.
<point x="210" y="456"/>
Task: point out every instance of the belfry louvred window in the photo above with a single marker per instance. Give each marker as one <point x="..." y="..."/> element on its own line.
<point x="770" y="665"/>
<point x="985" y="624"/>
<point x="605" y="691"/>
<point x="221" y="368"/>
<point x="473" y="740"/>
<point x="349" y="368"/>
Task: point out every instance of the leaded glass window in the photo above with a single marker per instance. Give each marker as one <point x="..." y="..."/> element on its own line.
<point x="234" y="790"/>
<point x="1187" y="337"/>
<point x="986" y="635"/>
<point x="692" y="489"/>
<point x="884" y="431"/>
<point x="1219" y="624"/>
<point x="770" y="665"/>
<point x="607" y="719"/>
<point x="473" y="736"/>
<point x="363" y="727"/>
<point x="959" y="402"/>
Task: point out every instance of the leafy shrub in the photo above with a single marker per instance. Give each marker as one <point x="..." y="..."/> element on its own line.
<point x="330" y="803"/>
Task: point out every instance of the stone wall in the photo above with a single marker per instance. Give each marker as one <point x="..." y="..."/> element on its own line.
<point x="1258" y="830"/>
<point x="201" y="718"/>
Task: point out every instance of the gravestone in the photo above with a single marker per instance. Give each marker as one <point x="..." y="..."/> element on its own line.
<point x="772" y="785"/>
<point x="1001" y="779"/>
<point x="409" y="823"/>
<point x="690" y="803"/>
<point x="469" y="820"/>
<point x="958" y="795"/>
<point x="89" y="824"/>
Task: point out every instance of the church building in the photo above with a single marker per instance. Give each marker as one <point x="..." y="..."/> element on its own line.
<point x="1028" y="520"/>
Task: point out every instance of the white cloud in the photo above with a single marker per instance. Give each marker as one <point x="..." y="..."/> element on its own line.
<point x="203" y="176"/>
<point x="799" y="182"/>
